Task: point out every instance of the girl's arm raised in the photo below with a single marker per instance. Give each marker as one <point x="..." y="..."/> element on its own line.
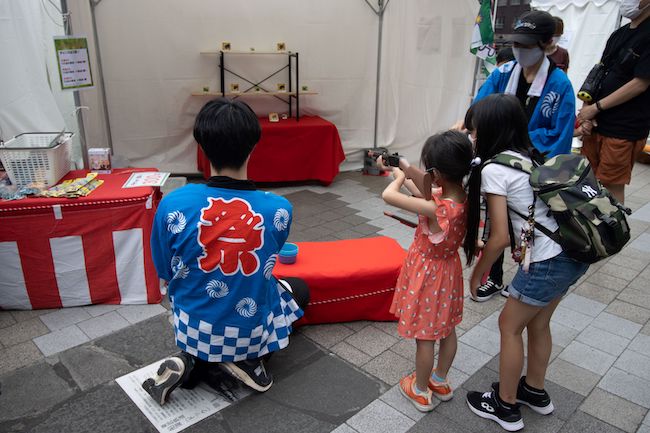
<point x="410" y="184"/>
<point x="394" y="197"/>
<point x="497" y="242"/>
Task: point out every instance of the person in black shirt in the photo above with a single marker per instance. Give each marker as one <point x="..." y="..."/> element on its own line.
<point x="621" y="112"/>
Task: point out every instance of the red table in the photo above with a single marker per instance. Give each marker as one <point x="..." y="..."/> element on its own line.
<point x="352" y="279"/>
<point x="309" y="149"/>
<point x="59" y="252"/>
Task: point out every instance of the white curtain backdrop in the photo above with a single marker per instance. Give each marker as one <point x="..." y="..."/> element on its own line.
<point x="427" y="71"/>
<point x="26" y="102"/>
<point x="151" y="61"/>
<point x="31" y="99"/>
<point x="588" y="24"/>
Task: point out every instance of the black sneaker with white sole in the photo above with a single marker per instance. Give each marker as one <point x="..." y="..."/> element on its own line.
<point x="487" y="290"/>
<point x="505" y="292"/>
<point x="536" y="399"/>
<point x="169" y="376"/>
<point x="488" y="405"/>
<point x="251" y="372"/>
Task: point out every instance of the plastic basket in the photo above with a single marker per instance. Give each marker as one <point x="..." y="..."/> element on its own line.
<point x="37" y="157"/>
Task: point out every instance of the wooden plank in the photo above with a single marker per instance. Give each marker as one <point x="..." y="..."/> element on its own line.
<point x="229" y="94"/>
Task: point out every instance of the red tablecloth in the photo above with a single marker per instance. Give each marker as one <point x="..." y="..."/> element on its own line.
<point x="309" y="149"/>
<point x="349" y="280"/>
<point x="58" y="252"/>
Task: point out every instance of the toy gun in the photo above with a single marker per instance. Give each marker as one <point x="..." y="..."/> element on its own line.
<point x="421" y="179"/>
<point x="404" y="221"/>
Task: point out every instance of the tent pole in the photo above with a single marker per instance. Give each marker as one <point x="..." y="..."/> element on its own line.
<point x="381" y="26"/>
<point x="93" y="5"/>
<point x="77" y="100"/>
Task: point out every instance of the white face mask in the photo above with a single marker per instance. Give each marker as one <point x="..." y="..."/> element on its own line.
<point x="527" y="57"/>
<point x="630" y="8"/>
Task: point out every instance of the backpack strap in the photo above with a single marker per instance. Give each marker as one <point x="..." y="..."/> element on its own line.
<point x="553" y="235"/>
<point x="521" y="164"/>
<point x="512" y="161"/>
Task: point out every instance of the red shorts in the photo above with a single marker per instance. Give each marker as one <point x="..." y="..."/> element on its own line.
<point x="611" y="158"/>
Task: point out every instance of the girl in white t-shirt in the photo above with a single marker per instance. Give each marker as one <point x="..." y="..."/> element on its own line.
<point x="499" y="125"/>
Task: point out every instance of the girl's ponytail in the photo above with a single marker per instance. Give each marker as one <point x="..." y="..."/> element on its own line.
<point x="473" y="213"/>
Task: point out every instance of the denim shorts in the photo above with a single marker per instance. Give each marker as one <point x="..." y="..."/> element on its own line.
<point x="546" y="280"/>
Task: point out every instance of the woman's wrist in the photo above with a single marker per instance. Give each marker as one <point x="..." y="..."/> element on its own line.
<point x="599" y="106"/>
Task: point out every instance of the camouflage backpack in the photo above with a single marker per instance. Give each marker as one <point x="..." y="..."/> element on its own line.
<point x="592" y="224"/>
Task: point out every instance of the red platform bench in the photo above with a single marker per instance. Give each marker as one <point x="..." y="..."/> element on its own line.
<point x="349" y="280"/>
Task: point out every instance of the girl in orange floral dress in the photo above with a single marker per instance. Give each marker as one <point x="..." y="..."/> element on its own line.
<point x="428" y="298"/>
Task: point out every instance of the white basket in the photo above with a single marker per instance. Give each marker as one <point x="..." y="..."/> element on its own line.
<point x="37" y="157"/>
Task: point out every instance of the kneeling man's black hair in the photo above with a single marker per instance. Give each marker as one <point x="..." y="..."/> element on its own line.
<point x="227" y="131"/>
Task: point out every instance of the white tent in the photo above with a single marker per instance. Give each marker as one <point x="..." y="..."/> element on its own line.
<point x="151" y="63"/>
<point x="587" y="25"/>
<point x="30" y="101"/>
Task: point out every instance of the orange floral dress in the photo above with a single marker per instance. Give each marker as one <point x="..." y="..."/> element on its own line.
<point x="428" y="299"/>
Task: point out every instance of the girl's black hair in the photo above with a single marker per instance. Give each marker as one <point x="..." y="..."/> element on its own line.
<point x="500" y="124"/>
<point x="227" y="131"/>
<point x="449" y="152"/>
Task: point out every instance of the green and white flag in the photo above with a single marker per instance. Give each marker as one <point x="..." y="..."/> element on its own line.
<point x="482" y="44"/>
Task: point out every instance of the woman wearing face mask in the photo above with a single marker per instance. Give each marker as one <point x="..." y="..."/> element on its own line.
<point x="544" y="91"/>
<point x="546" y="95"/>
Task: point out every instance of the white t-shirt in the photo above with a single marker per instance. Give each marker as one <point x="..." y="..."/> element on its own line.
<point x="513" y="184"/>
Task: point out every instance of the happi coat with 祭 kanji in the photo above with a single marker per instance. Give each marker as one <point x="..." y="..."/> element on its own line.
<point x="216" y="245"/>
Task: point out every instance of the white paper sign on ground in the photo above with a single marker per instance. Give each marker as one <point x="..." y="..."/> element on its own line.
<point x="185" y="407"/>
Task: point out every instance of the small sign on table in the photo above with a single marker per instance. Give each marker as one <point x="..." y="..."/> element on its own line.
<point x="146" y="178"/>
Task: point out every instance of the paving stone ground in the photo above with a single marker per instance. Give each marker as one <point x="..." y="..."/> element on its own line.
<point x="57" y="367"/>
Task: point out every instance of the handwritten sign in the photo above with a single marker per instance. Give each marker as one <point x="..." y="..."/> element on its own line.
<point x="146" y="178"/>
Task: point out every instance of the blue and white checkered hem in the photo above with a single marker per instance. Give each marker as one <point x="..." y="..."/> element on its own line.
<point x="229" y="343"/>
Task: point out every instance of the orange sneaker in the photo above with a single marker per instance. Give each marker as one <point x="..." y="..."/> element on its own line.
<point x="442" y="390"/>
<point x="422" y="403"/>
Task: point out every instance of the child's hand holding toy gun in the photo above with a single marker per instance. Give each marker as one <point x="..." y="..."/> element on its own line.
<point x="421" y="179"/>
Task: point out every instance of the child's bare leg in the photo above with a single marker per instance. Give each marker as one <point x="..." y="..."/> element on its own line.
<point x="424" y="359"/>
<point x="540" y="345"/>
<point x="512" y="321"/>
<point x="446" y="354"/>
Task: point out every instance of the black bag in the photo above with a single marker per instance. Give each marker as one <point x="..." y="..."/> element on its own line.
<point x="590" y="88"/>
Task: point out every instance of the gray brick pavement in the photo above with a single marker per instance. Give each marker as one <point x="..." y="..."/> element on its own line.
<point x="597" y="378"/>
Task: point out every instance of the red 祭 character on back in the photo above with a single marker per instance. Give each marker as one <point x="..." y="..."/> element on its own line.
<point x="229" y="233"/>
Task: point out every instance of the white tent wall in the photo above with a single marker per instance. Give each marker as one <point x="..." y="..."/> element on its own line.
<point x="427" y="71"/>
<point x="31" y="99"/>
<point x="588" y="23"/>
<point x="150" y="52"/>
<point x="152" y="63"/>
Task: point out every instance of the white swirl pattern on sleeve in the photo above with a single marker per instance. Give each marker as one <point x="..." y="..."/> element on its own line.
<point x="176" y="222"/>
<point x="281" y="219"/>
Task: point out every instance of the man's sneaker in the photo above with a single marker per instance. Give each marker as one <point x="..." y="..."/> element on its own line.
<point x="487" y="405"/>
<point x="251" y="372"/>
<point x="423" y="403"/>
<point x="487" y="290"/>
<point x="169" y="376"/>
<point x="442" y="390"/>
<point x="505" y="292"/>
<point x="536" y="399"/>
